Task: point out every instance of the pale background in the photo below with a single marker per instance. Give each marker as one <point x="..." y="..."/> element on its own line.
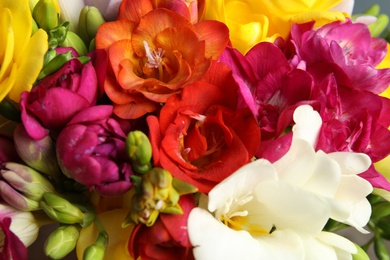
<point x="360" y="6"/>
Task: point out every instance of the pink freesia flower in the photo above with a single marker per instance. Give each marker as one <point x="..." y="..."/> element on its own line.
<point x="59" y="96"/>
<point x="90" y="149"/>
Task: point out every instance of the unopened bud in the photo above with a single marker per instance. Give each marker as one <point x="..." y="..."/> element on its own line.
<point x="74" y="41"/>
<point x="89" y="21"/>
<point x="61" y="241"/>
<point x="139" y="150"/>
<point x="45" y="14"/>
<point x="98" y="249"/>
<point x="61" y="210"/>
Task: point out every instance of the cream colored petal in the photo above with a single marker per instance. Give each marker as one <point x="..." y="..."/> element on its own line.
<point x="337" y="241"/>
<point x="31" y="65"/>
<point x="240" y="183"/>
<point x="70" y="11"/>
<point x="308" y="123"/>
<point x="351" y="163"/>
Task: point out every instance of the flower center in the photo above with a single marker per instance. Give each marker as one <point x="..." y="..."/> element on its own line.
<point x="155" y="59"/>
<point x="237" y="218"/>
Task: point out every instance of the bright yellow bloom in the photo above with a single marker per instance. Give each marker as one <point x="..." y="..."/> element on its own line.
<point x="252" y="21"/>
<point x="21" y="55"/>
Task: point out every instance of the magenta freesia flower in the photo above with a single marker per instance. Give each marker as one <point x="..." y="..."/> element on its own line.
<point x="7" y="150"/>
<point x="58" y="97"/>
<point x="90" y="149"/>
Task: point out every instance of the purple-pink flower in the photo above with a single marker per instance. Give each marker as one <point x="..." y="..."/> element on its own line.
<point x="58" y="97"/>
<point x="90" y="149"/>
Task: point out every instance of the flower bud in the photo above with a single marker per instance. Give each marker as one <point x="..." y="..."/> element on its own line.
<point x="74" y="41"/>
<point x="139" y="150"/>
<point x="17" y="200"/>
<point x="89" y="21"/>
<point x="61" y="210"/>
<point x="55" y="64"/>
<point x="361" y="254"/>
<point x="61" y="241"/>
<point x="97" y="250"/>
<point x="45" y="14"/>
<point x="380" y="248"/>
<point x="156" y="195"/>
<point x="38" y="154"/>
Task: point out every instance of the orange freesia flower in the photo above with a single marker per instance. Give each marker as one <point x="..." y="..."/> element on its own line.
<point x="153" y="54"/>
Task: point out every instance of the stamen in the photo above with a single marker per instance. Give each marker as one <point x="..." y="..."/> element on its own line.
<point x="154" y="57"/>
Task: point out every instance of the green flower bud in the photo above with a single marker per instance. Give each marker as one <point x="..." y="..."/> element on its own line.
<point x="61" y="210"/>
<point x="74" y="41"/>
<point x="61" y="241"/>
<point x="156" y="194"/>
<point x="45" y="14"/>
<point x="58" y="35"/>
<point x="98" y="249"/>
<point x="139" y="150"/>
<point x="26" y="180"/>
<point x="38" y="154"/>
<point x="379" y="26"/>
<point x="380" y="210"/>
<point x="89" y="21"/>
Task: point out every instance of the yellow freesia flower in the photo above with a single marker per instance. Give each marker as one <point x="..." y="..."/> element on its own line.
<point x="21" y="54"/>
<point x="253" y="21"/>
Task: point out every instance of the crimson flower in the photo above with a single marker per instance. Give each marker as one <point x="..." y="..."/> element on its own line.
<point x="12" y="247"/>
<point x="168" y="237"/>
<point x="200" y="136"/>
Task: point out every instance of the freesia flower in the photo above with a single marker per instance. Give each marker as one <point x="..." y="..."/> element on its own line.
<point x="90" y="149"/>
<point x="21" y="53"/>
<point x="18" y="230"/>
<point x="58" y="97"/>
<point x="252" y="21"/>
<point x="167" y="238"/>
<point x="200" y="136"/>
<point x="153" y="54"/>
<point x="278" y="211"/>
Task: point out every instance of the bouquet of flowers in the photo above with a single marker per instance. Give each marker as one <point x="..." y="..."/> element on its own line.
<point x="194" y="129"/>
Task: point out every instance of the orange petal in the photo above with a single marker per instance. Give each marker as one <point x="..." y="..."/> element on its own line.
<point x="115" y="92"/>
<point x="110" y="32"/>
<point x="216" y="36"/>
<point x="136" y="109"/>
<point x="133" y="10"/>
<point x="152" y="24"/>
<point x="119" y="51"/>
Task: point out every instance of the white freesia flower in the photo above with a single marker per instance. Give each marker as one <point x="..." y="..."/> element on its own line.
<point x="23" y="224"/>
<point x="278" y="211"/>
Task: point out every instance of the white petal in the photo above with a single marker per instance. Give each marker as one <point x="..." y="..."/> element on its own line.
<point x="366" y="19"/>
<point x="293" y="208"/>
<point x="317" y="250"/>
<point x="325" y="177"/>
<point x="360" y="215"/>
<point x="240" y="183"/>
<point x="297" y="165"/>
<point x="345" y="6"/>
<point x="112" y="10"/>
<point x="213" y="240"/>
<point x="307" y="124"/>
<point x="70" y="11"/>
<point x="351" y="163"/>
<point x="337" y="241"/>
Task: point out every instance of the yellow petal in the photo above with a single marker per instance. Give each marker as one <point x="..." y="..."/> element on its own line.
<point x="7" y="47"/>
<point x="118" y="236"/>
<point x="21" y="22"/>
<point x="7" y="83"/>
<point x="29" y="67"/>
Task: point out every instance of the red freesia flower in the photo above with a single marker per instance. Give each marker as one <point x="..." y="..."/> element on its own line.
<point x="153" y="54"/>
<point x="200" y="136"/>
<point x="7" y="150"/>
<point x="167" y="239"/>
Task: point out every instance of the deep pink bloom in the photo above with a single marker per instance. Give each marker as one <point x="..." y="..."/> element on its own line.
<point x="90" y="149"/>
<point x="61" y="95"/>
<point x="167" y="239"/>
<point x="12" y="247"/>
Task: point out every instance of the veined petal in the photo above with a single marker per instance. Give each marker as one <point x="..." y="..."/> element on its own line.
<point x="110" y="32"/>
<point x="7" y="48"/>
<point x="31" y="65"/>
